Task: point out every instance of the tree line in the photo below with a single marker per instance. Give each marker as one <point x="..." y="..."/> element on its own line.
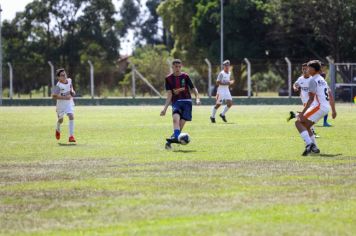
<point x="70" y="32"/>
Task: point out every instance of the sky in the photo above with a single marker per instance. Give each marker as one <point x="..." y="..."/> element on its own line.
<point x="10" y="7"/>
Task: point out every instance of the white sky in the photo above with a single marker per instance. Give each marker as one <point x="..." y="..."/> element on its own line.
<point x="10" y="7"/>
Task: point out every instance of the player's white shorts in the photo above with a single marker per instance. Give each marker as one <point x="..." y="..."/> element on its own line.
<point x="223" y="95"/>
<point x="315" y="113"/>
<point x="64" y="110"/>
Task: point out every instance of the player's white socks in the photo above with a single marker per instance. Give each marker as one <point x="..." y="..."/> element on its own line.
<point x="71" y="127"/>
<point x="313" y="139"/>
<point x="305" y="136"/>
<point x="213" y="112"/>
<point x="58" y="127"/>
<point x="226" y="108"/>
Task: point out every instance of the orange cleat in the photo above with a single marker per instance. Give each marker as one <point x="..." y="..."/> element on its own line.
<point x="71" y="139"/>
<point x="58" y="135"/>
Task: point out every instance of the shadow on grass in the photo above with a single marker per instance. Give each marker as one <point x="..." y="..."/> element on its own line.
<point x="330" y="155"/>
<point x="67" y="144"/>
<point x="185" y="151"/>
<point x="227" y="123"/>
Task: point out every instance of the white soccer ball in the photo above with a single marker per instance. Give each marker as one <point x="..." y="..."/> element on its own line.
<point x="184" y="138"/>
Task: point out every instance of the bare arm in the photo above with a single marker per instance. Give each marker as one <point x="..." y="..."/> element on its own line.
<point x="332" y="104"/>
<point x="60" y="97"/>
<point x="197" y="98"/>
<point x="167" y="103"/>
<point x="310" y="101"/>
<point x="225" y="83"/>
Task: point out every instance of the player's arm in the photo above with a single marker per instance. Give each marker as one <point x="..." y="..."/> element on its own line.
<point x="72" y="91"/>
<point x="197" y="98"/>
<point x="296" y="86"/>
<point x="195" y="91"/>
<point x="332" y="104"/>
<point x="57" y="95"/>
<point x="219" y="80"/>
<point x="310" y="101"/>
<point x="167" y="103"/>
<point x="312" y="92"/>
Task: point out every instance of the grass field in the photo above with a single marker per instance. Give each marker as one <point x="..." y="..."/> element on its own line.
<point x="246" y="177"/>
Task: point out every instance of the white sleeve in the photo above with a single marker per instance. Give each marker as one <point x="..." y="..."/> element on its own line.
<point x="312" y="86"/>
<point x="220" y="77"/>
<point x="296" y="83"/>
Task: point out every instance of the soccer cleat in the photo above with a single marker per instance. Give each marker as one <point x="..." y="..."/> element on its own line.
<point x="314" y="148"/>
<point x="58" y="135"/>
<point x="307" y="149"/>
<point x="168" y="146"/>
<point x="326" y="124"/>
<point x="71" y="139"/>
<point x="212" y="119"/>
<point x="223" y="118"/>
<point x="291" y="116"/>
<point x="172" y="140"/>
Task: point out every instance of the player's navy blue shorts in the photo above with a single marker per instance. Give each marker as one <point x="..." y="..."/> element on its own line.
<point x="184" y="109"/>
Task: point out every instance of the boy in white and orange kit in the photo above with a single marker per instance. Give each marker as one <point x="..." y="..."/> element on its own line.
<point x="64" y="92"/>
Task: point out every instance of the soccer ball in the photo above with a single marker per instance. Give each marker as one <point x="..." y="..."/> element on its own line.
<point x="184" y="138"/>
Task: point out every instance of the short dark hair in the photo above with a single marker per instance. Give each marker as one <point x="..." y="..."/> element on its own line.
<point x="59" y="71"/>
<point x="176" y="61"/>
<point x="315" y="64"/>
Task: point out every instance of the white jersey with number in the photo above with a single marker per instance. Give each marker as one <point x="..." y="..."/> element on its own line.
<point x="303" y="84"/>
<point x="64" y="106"/>
<point x="320" y="88"/>
<point x="223" y="92"/>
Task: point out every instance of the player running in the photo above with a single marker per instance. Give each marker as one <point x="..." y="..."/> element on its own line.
<point x="319" y="103"/>
<point x="223" y="92"/>
<point x="178" y="86"/>
<point x="63" y="92"/>
<point x="302" y="84"/>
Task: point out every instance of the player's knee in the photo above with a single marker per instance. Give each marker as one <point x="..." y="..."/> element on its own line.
<point x="217" y="106"/>
<point x="60" y="120"/>
<point x="71" y="116"/>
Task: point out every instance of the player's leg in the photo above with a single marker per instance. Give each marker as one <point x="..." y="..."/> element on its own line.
<point x="326" y="124"/>
<point x="71" y="127"/>
<point x="186" y="114"/>
<point x="303" y="129"/>
<point x="314" y="132"/>
<point x="226" y="108"/>
<point x="215" y="108"/>
<point x="58" y="125"/>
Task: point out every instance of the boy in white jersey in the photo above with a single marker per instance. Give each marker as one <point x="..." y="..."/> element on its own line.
<point x="302" y="84"/>
<point x="318" y="105"/>
<point x="223" y="92"/>
<point x="63" y="92"/>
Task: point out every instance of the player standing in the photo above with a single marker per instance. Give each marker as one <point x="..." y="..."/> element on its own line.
<point x="223" y="92"/>
<point x="63" y="92"/>
<point x="178" y="86"/>
<point x="319" y="103"/>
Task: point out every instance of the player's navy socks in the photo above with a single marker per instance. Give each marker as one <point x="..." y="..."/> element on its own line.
<point x="176" y="133"/>
<point x="325" y="119"/>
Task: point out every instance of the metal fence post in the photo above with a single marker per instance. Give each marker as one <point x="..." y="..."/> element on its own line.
<point x="11" y="80"/>
<point x="332" y="72"/>
<point x="289" y="76"/>
<point x="0" y="60"/>
<point x="209" y="77"/>
<point x="91" y="79"/>
<point x="133" y="87"/>
<point x="170" y="66"/>
<point x="52" y="73"/>
<point x="248" y="77"/>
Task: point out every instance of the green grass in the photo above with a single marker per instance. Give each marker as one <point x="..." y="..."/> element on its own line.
<point x="246" y="177"/>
